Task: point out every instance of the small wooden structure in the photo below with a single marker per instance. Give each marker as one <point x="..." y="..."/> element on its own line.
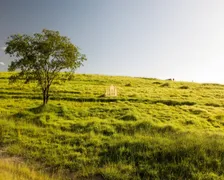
<point x="111" y="91"/>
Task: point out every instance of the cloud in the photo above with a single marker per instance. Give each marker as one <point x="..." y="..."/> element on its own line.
<point x="2" y="63"/>
<point x="2" y="48"/>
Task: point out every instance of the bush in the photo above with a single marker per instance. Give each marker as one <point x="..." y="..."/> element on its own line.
<point x="184" y="87"/>
<point x="128" y="85"/>
<point x="165" y="85"/>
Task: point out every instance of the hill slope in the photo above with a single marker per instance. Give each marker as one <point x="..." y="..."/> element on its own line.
<point x="153" y="129"/>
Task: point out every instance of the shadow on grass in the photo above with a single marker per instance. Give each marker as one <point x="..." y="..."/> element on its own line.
<point x="162" y="159"/>
<point x="212" y="104"/>
<point x="102" y="99"/>
<point x="46" y="108"/>
<point x="41" y="115"/>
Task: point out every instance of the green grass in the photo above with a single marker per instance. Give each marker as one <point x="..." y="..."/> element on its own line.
<point x="153" y="129"/>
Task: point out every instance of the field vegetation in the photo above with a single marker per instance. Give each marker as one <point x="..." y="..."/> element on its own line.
<point x="153" y="129"/>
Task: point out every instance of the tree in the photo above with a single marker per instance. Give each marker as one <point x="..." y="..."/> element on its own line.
<point x="41" y="57"/>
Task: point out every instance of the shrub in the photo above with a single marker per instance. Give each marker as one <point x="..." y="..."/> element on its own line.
<point x="128" y="85"/>
<point x="165" y="85"/>
<point x="184" y="87"/>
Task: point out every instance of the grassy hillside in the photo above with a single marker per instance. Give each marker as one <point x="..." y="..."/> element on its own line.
<point x="153" y="129"/>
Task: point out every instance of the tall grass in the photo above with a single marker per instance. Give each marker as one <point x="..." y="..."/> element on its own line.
<point x="150" y="131"/>
<point x="11" y="171"/>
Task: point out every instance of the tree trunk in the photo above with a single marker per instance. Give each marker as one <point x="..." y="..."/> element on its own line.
<point x="45" y="96"/>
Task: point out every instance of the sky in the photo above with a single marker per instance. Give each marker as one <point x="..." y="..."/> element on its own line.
<point x="181" y="39"/>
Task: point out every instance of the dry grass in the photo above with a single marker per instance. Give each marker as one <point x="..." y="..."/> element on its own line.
<point x="14" y="169"/>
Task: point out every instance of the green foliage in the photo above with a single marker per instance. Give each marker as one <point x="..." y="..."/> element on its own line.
<point x="41" y="57"/>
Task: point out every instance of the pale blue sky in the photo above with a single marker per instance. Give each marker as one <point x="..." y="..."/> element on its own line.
<point x="181" y="39"/>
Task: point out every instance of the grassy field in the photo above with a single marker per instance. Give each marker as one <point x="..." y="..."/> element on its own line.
<point x="153" y="129"/>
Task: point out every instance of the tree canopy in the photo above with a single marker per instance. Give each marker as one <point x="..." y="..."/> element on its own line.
<point x="41" y="57"/>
